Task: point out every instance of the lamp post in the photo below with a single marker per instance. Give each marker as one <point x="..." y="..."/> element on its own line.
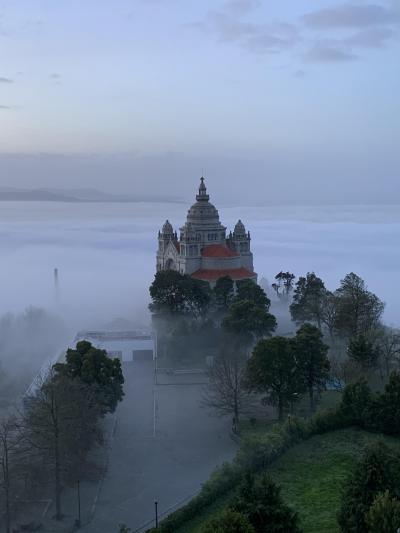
<point x="78" y="521"/>
<point x="156" y="511"/>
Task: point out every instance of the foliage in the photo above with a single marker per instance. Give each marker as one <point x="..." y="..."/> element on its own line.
<point x="272" y="370"/>
<point x="374" y="473"/>
<point x="386" y="407"/>
<point x="284" y="283"/>
<point x="312" y="363"/>
<point x="358" y="310"/>
<point x="384" y="514"/>
<point x="248" y="320"/>
<point x="363" y="352"/>
<point x="356" y="403"/>
<point x="259" y="499"/>
<point x="174" y="294"/>
<point x="308" y="300"/>
<point x="224" y="293"/>
<point x="93" y="366"/>
<point x="249" y="291"/>
<point x="228" y="522"/>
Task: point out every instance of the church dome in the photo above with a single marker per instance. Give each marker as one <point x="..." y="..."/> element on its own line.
<point x="203" y="212"/>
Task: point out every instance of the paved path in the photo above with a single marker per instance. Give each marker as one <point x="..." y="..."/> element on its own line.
<point x="168" y="466"/>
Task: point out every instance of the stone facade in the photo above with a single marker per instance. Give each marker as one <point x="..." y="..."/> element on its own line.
<point x="203" y="249"/>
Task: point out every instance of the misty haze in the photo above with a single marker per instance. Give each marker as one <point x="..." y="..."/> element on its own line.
<point x="199" y="242"/>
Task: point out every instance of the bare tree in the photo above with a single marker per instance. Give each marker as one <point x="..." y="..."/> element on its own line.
<point x="10" y="440"/>
<point x="389" y="348"/>
<point x="225" y="393"/>
<point x="61" y="425"/>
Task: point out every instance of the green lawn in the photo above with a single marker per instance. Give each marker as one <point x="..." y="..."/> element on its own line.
<point x="311" y="476"/>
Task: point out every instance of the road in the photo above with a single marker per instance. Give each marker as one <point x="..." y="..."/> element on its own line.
<point x="166" y="458"/>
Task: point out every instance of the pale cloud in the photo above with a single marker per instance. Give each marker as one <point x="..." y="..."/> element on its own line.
<point x="6" y="80"/>
<point x="325" y="53"/>
<point x="350" y="16"/>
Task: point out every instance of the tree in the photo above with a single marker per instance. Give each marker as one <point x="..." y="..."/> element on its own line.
<point x="329" y="312"/>
<point x="309" y="300"/>
<point x="10" y="440"/>
<point x="384" y="514"/>
<point x="272" y="370"/>
<point x="389" y="348"/>
<point x="61" y="425"/>
<point x="248" y="321"/>
<point x="228" y="522"/>
<point x="93" y="366"/>
<point x="358" y="310"/>
<point x="249" y="291"/>
<point x="363" y="352"/>
<point x="387" y="407"/>
<point x="174" y="294"/>
<point x="225" y="393"/>
<point x="224" y="293"/>
<point x="376" y="472"/>
<point x="260" y="501"/>
<point x="312" y="363"/>
<point x="284" y="283"/>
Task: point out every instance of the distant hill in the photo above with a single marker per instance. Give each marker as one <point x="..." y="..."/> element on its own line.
<point x="10" y="194"/>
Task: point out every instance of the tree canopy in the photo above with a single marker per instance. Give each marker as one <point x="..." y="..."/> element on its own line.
<point x="309" y="300"/>
<point x="358" y="310"/>
<point x="312" y="363"/>
<point x="248" y="320"/>
<point x="93" y="367"/>
<point x="272" y="370"/>
<point x="174" y="294"/>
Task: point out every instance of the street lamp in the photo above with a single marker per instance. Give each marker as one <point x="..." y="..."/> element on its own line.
<point x="156" y="511"/>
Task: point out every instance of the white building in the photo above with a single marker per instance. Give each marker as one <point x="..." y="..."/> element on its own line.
<point x="203" y="249"/>
<point x="125" y="345"/>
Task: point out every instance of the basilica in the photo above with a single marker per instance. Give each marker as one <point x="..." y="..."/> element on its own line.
<point x="203" y="249"/>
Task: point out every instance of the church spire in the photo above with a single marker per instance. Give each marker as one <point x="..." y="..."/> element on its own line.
<point x="202" y="192"/>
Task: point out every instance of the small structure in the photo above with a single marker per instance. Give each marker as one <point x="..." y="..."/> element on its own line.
<point x="203" y="250"/>
<point x="128" y="346"/>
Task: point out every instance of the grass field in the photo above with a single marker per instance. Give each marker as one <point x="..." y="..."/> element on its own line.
<point x="311" y="476"/>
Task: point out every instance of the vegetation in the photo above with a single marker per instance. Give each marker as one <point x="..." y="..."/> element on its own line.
<point x="271" y="370"/>
<point x="312" y="363"/>
<point x="260" y="501"/>
<point x="228" y="522"/>
<point x="376" y="472"/>
<point x="93" y="367"/>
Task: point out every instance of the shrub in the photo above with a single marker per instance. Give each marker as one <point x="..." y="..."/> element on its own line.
<point x="374" y="473"/>
<point x="259" y="499"/>
<point x="228" y="522"/>
<point x="384" y="514"/>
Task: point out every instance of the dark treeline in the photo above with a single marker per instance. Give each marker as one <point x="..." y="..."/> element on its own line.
<point x="47" y="444"/>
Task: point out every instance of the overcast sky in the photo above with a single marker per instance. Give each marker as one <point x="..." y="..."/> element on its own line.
<point x="280" y="101"/>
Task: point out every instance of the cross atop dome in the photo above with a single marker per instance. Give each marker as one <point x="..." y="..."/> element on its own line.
<point x="202" y="196"/>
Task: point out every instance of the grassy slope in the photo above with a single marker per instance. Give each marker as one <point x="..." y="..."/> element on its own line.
<point x="311" y="476"/>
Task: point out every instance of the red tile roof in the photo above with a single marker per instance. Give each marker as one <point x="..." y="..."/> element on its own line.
<point x="214" y="274"/>
<point x="217" y="250"/>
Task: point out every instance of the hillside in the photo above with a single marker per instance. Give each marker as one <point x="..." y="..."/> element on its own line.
<point x="311" y="476"/>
